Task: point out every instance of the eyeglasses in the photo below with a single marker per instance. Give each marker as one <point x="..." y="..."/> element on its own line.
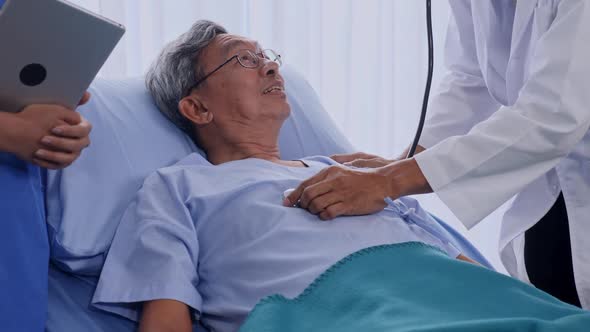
<point x="247" y="59"/>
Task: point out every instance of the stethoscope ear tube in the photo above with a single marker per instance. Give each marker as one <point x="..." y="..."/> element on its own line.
<point x="412" y="149"/>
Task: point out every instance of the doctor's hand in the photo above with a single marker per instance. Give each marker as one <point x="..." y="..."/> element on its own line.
<point x="50" y="136"/>
<point x="366" y="160"/>
<point x="337" y="190"/>
<point x="361" y="159"/>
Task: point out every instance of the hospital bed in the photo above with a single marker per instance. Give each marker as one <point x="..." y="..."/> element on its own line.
<point x="130" y="140"/>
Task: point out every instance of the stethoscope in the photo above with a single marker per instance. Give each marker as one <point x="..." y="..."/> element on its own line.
<point x="412" y="149"/>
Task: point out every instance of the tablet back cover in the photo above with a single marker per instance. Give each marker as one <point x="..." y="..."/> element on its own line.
<point x="50" y="51"/>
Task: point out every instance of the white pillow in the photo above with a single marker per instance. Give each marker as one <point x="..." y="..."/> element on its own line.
<point x="130" y="140"/>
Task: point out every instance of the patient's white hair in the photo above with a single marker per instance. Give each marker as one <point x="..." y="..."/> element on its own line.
<point x="177" y="69"/>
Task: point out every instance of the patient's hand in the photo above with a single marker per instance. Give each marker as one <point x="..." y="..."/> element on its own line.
<point x="50" y="136"/>
<point x="361" y="159"/>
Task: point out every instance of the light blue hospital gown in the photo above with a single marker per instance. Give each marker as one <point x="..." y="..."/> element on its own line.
<point x="219" y="239"/>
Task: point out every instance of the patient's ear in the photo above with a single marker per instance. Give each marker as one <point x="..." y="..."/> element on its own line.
<point x="193" y="109"/>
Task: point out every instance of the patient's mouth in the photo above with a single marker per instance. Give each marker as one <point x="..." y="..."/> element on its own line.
<point x="275" y="89"/>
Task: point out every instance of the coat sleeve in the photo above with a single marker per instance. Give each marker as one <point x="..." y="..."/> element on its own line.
<point x="477" y="172"/>
<point x="462" y="98"/>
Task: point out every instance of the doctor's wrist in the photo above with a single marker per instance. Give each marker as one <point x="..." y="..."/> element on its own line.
<point x="405" y="178"/>
<point x="404" y="155"/>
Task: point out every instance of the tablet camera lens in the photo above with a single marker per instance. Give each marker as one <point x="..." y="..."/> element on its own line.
<point x="33" y="74"/>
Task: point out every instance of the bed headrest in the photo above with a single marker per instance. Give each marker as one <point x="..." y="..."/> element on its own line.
<point x="131" y="139"/>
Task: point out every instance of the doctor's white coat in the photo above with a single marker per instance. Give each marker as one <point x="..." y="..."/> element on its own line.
<point x="511" y="117"/>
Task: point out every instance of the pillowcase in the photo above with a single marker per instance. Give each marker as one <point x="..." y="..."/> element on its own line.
<point x="130" y="140"/>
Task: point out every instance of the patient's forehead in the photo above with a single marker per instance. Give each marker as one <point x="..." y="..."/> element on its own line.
<point x="223" y="47"/>
<point x="228" y="44"/>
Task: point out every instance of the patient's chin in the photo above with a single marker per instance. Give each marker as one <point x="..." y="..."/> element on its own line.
<point x="285" y="111"/>
<point x="281" y="111"/>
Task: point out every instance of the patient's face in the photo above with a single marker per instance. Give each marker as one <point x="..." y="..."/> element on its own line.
<point x="236" y="94"/>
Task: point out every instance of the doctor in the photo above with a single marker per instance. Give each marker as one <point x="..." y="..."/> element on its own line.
<point x="511" y="118"/>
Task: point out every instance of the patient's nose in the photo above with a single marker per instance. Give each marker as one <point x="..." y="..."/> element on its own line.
<point x="270" y="68"/>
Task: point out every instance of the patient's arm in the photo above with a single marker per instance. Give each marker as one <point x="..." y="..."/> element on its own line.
<point x="165" y="316"/>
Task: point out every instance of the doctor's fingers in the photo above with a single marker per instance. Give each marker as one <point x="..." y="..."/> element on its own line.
<point x="333" y="211"/>
<point x="322" y="202"/>
<point x="369" y="163"/>
<point x="345" y="158"/>
<point x="313" y="192"/>
<point x="361" y="192"/>
<point x="348" y="204"/>
<point x="295" y="196"/>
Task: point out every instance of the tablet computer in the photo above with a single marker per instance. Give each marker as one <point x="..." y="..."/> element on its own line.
<point x="50" y="51"/>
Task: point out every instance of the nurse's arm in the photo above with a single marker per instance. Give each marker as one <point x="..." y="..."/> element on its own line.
<point x="165" y="316"/>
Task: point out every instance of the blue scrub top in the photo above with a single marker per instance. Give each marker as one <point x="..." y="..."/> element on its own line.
<point x="24" y="247"/>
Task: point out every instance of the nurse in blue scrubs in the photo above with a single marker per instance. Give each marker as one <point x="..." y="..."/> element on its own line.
<point x="39" y="137"/>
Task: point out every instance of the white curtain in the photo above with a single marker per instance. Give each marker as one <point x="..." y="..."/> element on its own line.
<point x="367" y="60"/>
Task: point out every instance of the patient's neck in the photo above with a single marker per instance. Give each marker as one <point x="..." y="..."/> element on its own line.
<point x="223" y="153"/>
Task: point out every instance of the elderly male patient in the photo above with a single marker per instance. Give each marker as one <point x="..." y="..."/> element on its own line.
<point x="207" y="239"/>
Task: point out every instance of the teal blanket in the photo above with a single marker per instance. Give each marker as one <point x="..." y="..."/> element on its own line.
<point x="414" y="287"/>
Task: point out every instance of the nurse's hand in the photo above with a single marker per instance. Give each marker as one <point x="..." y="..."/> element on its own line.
<point x="50" y="136"/>
<point x="338" y="191"/>
<point x="361" y="159"/>
<point x="64" y="145"/>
